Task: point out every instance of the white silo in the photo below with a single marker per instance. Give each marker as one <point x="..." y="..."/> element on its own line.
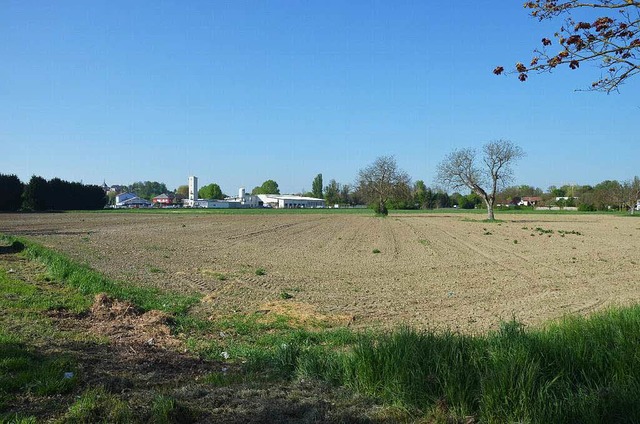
<point x="193" y="188"/>
<point x="241" y="193"/>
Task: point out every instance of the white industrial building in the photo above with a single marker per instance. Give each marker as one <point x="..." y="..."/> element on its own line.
<point x="288" y="201"/>
<point x="244" y="200"/>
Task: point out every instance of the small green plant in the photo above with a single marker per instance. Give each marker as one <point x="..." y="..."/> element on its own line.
<point x="487" y="233"/>
<point x="155" y="270"/>
<point x="97" y="405"/>
<point x="166" y="410"/>
<point x="284" y="295"/>
<point x="261" y="271"/>
<point x="541" y="231"/>
<point x="515" y="242"/>
<point x="577" y="233"/>
<point x="376" y="251"/>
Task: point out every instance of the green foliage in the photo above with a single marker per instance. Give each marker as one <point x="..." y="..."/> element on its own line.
<point x="98" y="406"/>
<point x="332" y="193"/>
<point x="56" y="194"/>
<point x="380" y="208"/>
<point x="10" y="193"/>
<point x="167" y="410"/>
<point x="578" y="370"/>
<point x="24" y="371"/>
<point x="261" y="271"/>
<point x="420" y="193"/>
<point x="148" y="189"/>
<point x="35" y="194"/>
<point x="586" y="207"/>
<point x="285" y="296"/>
<point x="268" y="187"/>
<point x="183" y="191"/>
<point x="211" y="191"/>
<point x="470" y="201"/>
<point x="316" y="187"/>
<point x="375" y="251"/>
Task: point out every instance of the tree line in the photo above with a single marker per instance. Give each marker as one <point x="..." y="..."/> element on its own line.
<point x="486" y="174"/>
<point x="40" y="194"/>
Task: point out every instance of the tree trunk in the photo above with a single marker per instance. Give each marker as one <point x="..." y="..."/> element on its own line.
<point x="489" y="203"/>
<point x="490" y="215"/>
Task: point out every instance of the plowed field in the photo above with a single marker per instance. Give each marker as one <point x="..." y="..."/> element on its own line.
<point x="432" y="270"/>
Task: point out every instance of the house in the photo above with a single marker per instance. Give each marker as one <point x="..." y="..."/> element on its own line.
<point x="529" y="201"/>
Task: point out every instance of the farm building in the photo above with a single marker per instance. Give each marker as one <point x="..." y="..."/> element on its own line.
<point x="130" y="200"/>
<point x="529" y="201"/>
<point x="245" y="200"/>
<point x="291" y="201"/>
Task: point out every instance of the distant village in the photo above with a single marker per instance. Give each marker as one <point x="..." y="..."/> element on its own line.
<point x="242" y="200"/>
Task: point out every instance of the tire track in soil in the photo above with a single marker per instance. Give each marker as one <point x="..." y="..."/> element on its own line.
<point x="480" y="252"/>
<point x="396" y="246"/>
<point x="503" y="250"/>
<point x="427" y="246"/>
<point x="473" y="248"/>
<point x="276" y="228"/>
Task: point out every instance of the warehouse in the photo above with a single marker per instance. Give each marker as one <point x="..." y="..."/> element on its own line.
<point x="291" y="201"/>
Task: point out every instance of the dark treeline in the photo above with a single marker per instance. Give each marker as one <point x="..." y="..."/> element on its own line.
<point x="42" y="195"/>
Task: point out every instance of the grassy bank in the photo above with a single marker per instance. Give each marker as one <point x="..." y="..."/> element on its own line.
<point x="583" y="370"/>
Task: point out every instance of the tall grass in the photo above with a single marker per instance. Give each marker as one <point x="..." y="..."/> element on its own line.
<point x="584" y="370"/>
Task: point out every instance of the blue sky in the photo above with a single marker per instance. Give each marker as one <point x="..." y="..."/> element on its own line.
<point x="238" y="92"/>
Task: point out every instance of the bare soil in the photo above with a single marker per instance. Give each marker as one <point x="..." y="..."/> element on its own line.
<point x="432" y="270"/>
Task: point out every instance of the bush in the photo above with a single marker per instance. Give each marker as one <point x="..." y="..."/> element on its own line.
<point x="586" y="207"/>
<point x="380" y="209"/>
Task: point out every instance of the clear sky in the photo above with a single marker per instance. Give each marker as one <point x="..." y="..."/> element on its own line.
<point x="238" y="92"/>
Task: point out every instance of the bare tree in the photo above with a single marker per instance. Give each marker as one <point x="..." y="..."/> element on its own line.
<point x="613" y="42"/>
<point x="484" y="176"/>
<point x="631" y="190"/>
<point x="383" y="181"/>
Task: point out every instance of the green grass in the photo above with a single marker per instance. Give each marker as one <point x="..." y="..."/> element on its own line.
<point x="24" y="371"/>
<point x="90" y="282"/>
<point x="96" y="405"/>
<point x="576" y="370"/>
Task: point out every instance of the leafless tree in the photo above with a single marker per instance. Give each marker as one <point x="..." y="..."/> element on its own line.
<point x="631" y="189"/>
<point x="383" y="181"/>
<point x="613" y="41"/>
<point x="485" y="175"/>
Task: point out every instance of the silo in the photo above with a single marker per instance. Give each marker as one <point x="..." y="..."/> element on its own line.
<point x="193" y="188"/>
<point x="241" y="193"/>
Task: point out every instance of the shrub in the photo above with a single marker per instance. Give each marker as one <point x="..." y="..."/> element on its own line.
<point x="586" y="207"/>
